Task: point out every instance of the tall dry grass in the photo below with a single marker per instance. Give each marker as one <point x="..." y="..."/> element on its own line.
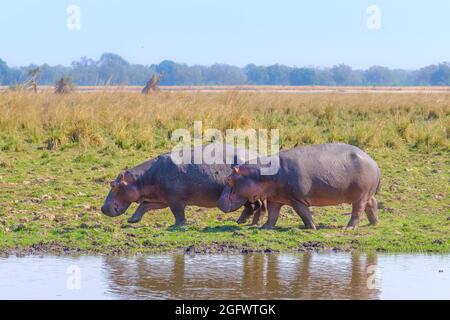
<point x="130" y="120"/>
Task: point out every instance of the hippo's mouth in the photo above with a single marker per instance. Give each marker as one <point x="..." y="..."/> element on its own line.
<point x="114" y="210"/>
<point x="229" y="202"/>
<point x="229" y="195"/>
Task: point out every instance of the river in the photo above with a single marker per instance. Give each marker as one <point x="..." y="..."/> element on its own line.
<point x="253" y="276"/>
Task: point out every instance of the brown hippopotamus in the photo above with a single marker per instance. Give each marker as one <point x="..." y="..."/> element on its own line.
<point x="162" y="182"/>
<point x="318" y="175"/>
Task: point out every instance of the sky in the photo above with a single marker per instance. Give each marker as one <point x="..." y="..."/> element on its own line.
<point x="404" y="34"/>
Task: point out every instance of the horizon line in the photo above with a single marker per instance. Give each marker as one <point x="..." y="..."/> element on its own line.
<point x="225" y="63"/>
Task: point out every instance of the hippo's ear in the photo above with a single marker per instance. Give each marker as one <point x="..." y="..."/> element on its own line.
<point x="242" y="171"/>
<point x="125" y="178"/>
<point x="122" y="181"/>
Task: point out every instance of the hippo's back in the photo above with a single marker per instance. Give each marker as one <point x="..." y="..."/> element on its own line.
<point x="329" y="155"/>
<point x="337" y="170"/>
<point x="196" y="183"/>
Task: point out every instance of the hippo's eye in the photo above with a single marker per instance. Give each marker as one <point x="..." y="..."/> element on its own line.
<point x="115" y="188"/>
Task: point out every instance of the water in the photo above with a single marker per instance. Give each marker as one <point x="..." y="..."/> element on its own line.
<point x="255" y="276"/>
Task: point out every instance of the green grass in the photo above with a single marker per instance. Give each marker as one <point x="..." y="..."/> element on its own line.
<point x="50" y="201"/>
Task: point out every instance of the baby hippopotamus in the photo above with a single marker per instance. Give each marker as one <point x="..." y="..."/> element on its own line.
<point x="318" y="175"/>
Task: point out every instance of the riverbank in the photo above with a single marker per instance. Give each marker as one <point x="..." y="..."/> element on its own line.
<point x="51" y="200"/>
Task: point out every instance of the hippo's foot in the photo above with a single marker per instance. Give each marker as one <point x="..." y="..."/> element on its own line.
<point x="311" y="226"/>
<point x="267" y="226"/>
<point x="241" y="220"/>
<point x="373" y="220"/>
<point x="256" y="218"/>
<point x="353" y="223"/>
<point x="178" y="226"/>
<point x="180" y="223"/>
<point x="135" y="219"/>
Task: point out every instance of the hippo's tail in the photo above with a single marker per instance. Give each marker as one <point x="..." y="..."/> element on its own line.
<point x="379" y="182"/>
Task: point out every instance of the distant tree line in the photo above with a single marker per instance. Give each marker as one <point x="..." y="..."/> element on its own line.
<point x="112" y="69"/>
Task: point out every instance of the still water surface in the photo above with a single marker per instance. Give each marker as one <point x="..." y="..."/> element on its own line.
<point x="255" y="276"/>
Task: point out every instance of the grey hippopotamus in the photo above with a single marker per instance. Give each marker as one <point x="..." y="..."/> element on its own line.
<point x="162" y="182"/>
<point x="318" y="175"/>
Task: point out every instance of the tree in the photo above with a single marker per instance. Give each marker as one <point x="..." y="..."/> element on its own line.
<point x="169" y="69"/>
<point x="377" y="75"/>
<point x="342" y="74"/>
<point x="4" y="72"/>
<point x="256" y="74"/>
<point x="278" y="74"/>
<point x="441" y="76"/>
<point x="402" y="77"/>
<point x="138" y="74"/>
<point x="85" y="71"/>
<point x="14" y="77"/>
<point x="324" y="77"/>
<point x="183" y="74"/>
<point x="113" y="69"/>
<point x="196" y="74"/>
<point x="49" y="74"/>
<point x="423" y="75"/>
<point x="225" y="74"/>
<point x="303" y="77"/>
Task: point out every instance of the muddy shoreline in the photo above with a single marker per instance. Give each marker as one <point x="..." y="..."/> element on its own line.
<point x="210" y="249"/>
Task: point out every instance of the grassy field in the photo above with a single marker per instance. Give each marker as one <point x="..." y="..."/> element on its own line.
<point x="58" y="153"/>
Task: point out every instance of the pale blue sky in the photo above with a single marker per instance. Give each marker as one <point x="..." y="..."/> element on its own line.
<point x="413" y="33"/>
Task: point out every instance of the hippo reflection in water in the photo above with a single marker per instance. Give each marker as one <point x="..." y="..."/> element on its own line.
<point x="250" y="276"/>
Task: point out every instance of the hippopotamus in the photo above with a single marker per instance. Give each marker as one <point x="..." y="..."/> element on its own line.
<point x="317" y="175"/>
<point x="163" y="182"/>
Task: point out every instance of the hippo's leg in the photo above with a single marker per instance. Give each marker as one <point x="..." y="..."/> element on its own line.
<point x="139" y="213"/>
<point x="305" y="214"/>
<point x="246" y="213"/>
<point x="143" y="208"/>
<point x="273" y="209"/>
<point x="357" y="209"/>
<point x="371" y="211"/>
<point x="259" y="213"/>
<point x="178" y="211"/>
<point x="257" y="216"/>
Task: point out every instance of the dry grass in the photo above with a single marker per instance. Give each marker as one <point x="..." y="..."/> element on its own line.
<point x="128" y="120"/>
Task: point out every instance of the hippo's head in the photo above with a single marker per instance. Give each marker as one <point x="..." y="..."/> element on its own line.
<point x="124" y="191"/>
<point x="242" y="186"/>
